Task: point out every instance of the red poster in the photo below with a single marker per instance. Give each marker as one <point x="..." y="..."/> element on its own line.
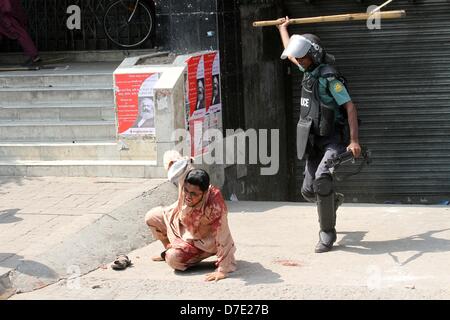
<point x="203" y="103"/>
<point x="196" y="84"/>
<point x="209" y="61"/>
<point x="135" y="103"/>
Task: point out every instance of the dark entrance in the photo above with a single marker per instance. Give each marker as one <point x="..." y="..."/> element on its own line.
<point x="47" y="25"/>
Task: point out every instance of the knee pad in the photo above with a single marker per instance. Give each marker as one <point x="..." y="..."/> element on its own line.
<point x="323" y="186"/>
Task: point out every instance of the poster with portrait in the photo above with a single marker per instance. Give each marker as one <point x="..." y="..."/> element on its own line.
<point x="214" y="107"/>
<point x="135" y="103"/>
<point x="203" y="100"/>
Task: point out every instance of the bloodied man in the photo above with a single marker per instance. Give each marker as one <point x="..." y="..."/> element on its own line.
<point x="195" y="227"/>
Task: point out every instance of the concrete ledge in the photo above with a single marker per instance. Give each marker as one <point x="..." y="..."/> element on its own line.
<point x="155" y="58"/>
<point x="83" y="168"/>
<point x="95" y="150"/>
<point x="55" y="81"/>
<point x="58" y="113"/>
<point x="57" y="130"/>
<point x="56" y="95"/>
<point x="80" y="56"/>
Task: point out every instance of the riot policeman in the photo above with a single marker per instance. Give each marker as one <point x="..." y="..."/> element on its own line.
<point x="328" y="125"/>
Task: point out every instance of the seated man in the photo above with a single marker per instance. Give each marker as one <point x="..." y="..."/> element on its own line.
<point x="195" y="227"/>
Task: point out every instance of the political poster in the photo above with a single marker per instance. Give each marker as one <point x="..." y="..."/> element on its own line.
<point x="135" y="103"/>
<point x="203" y="99"/>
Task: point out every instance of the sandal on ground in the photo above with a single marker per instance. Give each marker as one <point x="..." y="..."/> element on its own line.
<point x="122" y="262"/>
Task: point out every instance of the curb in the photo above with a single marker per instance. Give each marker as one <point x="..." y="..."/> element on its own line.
<point x="120" y="231"/>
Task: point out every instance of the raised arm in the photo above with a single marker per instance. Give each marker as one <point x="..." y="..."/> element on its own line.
<point x="284" y="34"/>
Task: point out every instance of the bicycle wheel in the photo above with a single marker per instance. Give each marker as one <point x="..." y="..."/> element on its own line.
<point x="128" y="23"/>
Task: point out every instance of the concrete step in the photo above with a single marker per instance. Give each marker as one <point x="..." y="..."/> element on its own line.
<point x="79" y="168"/>
<point x="57" y="111"/>
<point x="79" y="56"/>
<point x="38" y="95"/>
<point x="33" y="131"/>
<point x="93" y="150"/>
<point x="72" y="74"/>
<point x="42" y="80"/>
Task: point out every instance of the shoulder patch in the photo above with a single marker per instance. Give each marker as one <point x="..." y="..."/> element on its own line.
<point x="338" y="87"/>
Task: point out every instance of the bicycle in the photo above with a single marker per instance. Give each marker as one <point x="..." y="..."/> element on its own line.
<point x="128" y="23"/>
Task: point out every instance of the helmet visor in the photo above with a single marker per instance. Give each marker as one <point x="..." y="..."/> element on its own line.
<point x="297" y="47"/>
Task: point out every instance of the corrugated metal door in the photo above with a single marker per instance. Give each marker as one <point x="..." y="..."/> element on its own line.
<point x="399" y="78"/>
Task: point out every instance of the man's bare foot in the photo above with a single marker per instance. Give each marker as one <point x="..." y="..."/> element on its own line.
<point x="157" y="258"/>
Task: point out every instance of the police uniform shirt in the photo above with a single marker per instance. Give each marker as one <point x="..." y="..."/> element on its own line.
<point x="339" y="94"/>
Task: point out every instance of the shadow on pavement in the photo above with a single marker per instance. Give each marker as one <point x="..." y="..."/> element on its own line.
<point x="18" y="180"/>
<point x="7" y="216"/>
<point x="263" y="206"/>
<point x="28" y="267"/>
<point x="422" y="243"/>
<point x="251" y="272"/>
<point x="254" y="273"/>
<point x="200" y="268"/>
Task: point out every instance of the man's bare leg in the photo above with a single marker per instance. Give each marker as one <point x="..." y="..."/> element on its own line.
<point x="155" y="220"/>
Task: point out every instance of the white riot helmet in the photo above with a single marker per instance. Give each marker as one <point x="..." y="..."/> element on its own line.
<point x="302" y="45"/>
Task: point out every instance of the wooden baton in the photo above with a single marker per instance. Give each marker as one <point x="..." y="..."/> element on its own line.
<point x="336" y="18"/>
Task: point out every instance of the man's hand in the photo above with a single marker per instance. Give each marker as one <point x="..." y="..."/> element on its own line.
<point x="215" y="276"/>
<point x="355" y="148"/>
<point x="282" y="28"/>
<point x="284" y="22"/>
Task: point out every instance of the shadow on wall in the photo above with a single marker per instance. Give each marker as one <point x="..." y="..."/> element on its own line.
<point x="421" y="243"/>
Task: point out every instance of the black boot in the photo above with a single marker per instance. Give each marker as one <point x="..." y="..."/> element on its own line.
<point x="326" y="241"/>
<point x="326" y="208"/>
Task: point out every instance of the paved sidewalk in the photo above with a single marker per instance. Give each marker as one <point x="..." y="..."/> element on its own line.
<point x="383" y="252"/>
<point x="49" y="223"/>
